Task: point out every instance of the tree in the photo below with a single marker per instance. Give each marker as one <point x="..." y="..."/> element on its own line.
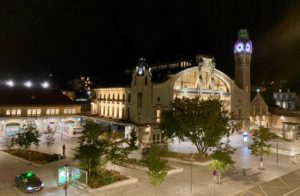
<point x="260" y="147"/>
<point x="156" y="165"/>
<point x="222" y="160"/>
<point x="203" y="122"/>
<point x="132" y="141"/>
<point x="29" y="135"/>
<point x="115" y="151"/>
<point x="49" y="137"/>
<point x="90" y="148"/>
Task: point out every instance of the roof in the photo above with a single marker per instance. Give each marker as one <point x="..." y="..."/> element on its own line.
<point x="34" y="96"/>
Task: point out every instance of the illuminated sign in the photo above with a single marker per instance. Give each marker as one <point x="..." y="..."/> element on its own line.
<point x="63" y="175"/>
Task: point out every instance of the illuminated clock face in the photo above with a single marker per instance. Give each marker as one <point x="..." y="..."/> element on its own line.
<point x="239" y="47"/>
<point x="243" y="47"/>
<point x="140" y="71"/>
<point x="248" y="47"/>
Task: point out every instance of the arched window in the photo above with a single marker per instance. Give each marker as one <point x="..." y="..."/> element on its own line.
<point x="139" y="100"/>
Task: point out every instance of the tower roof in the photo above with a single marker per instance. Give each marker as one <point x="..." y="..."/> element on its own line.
<point x="243" y="35"/>
<point x="142" y="62"/>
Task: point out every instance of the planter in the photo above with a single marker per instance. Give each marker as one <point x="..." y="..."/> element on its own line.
<point x="130" y="180"/>
<point x="30" y="162"/>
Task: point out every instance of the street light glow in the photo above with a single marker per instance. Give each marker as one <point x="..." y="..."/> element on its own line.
<point x="10" y="83"/>
<point x="45" y="85"/>
<point x="28" y="84"/>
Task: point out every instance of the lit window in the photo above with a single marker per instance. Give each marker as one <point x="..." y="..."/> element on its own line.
<point x="18" y="112"/>
<point x="65" y="111"/>
<point x="7" y="112"/>
<point x="13" y="112"/>
<point x="48" y="111"/>
<point x="73" y="111"/>
<point x="158" y="115"/>
<point x="56" y="111"/>
<point x="29" y="112"/>
<point x="52" y="111"/>
<point x="33" y="112"/>
<point x="38" y="112"/>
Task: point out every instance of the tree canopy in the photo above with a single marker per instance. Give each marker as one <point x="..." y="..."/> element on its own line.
<point x="203" y="122"/>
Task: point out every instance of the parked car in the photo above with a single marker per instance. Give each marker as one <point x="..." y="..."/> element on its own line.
<point x="29" y="182"/>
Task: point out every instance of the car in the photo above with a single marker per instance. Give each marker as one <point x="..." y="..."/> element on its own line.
<point x="29" y="182"/>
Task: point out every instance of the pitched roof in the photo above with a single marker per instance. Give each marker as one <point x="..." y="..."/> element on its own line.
<point x="34" y="96"/>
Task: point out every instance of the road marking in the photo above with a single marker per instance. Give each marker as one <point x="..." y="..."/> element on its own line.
<point x="284" y="183"/>
<point x="291" y="191"/>
<point x="263" y="190"/>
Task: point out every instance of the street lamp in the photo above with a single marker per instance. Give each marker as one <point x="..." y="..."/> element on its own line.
<point x="28" y="84"/>
<point x="10" y="83"/>
<point x="62" y="129"/>
<point x="192" y="159"/>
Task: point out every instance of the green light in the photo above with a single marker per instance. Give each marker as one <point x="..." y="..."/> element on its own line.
<point x="29" y="174"/>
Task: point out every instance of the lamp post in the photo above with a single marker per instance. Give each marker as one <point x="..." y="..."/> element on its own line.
<point x="62" y="129"/>
<point x="192" y="159"/>
<point x="67" y="179"/>
<point x="277" y="151"/>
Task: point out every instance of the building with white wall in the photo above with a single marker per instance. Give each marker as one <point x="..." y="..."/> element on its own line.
<point x="153" y="88"/>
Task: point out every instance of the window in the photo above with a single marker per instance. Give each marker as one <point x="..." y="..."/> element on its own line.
<point x="52" y="111"/>
<point x="7" y="112"/>
<point x="38" y="112"/>
<point x="33" y="112"/>
<point x="69" y="111"/>
<point x="18" y="112"/>
<point x="139" y="100"/>
<point x="129" y="98"/>
<point x="158" y="116"/>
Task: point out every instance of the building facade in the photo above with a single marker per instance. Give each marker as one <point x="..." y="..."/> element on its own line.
<point x="152" y="89"/>
<point x="47" y="108"/>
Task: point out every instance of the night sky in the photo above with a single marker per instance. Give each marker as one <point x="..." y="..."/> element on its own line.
<point x="71" y="38"/>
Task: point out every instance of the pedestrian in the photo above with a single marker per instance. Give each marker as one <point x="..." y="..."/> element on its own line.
<point x="64" y="150"/>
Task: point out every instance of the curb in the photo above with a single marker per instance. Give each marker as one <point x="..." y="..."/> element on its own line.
<point x="131" y="180"/>
<point x="170" y="172"/>
<point x="29" y="162"/>
<point x="189" y="162"/>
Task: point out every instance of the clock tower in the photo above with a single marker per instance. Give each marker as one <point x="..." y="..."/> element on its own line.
<point x="141" y="94"/>
<point x="242" y="58"/>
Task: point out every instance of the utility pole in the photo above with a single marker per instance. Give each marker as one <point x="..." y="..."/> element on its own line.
<point x="277" y="151"/>
<point x="192" y="159"/>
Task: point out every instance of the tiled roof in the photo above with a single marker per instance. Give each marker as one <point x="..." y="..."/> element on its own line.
<point x="34" y="96"/>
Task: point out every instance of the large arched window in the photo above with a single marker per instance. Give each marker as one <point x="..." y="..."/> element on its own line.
<point x="205" y="84"/>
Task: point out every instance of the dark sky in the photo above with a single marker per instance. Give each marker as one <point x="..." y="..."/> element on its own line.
<point x="101" y="38"/>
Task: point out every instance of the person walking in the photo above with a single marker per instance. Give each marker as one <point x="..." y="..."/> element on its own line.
<point x="64" y="150"/>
